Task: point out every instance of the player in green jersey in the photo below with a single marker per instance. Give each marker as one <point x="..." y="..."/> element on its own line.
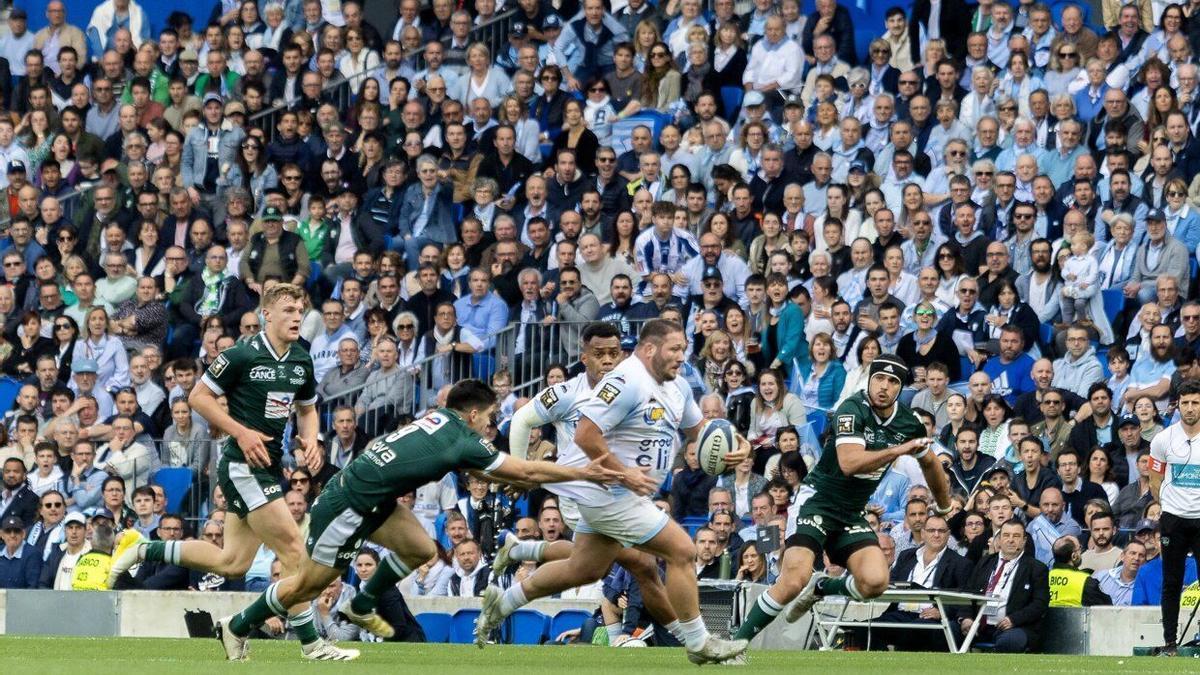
<point x="360" y="503"/>
<point x="870" y="431"/>
<point x="262" y="379"/>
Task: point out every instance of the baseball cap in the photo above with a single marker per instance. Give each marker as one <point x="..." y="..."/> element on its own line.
<point x="518" y="29"/>
<point x="213" y="97"/>
<point x="628" y="343"/>
<point x="234" y="107"/>
<point x="892" y="366"/>
<point x="552" y="21"/>
<point x="711" y="272"/>
<point x="1146" y="524"/>
<point x="12" y="523"/>
<point x="271" y="213"/>
<point x="189" y="54"/>
<point x="85" y="366"/>
<point x="1128" y="419"/>
<point x="793" y="102"/>
<point x="1155" y="214"/>
<point x="75" y="517"/>
<point x="753" y="98"/>
<point x="16" y="166"/>
<point x="998" y="467"/>
<point x="857" y="167"/>
<point x="18" y="13"/>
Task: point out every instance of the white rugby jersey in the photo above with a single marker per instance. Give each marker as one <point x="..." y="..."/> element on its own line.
<point x="640" y="420"/>
<point x="556" y="405"/>
<point x="1177" y="458"/>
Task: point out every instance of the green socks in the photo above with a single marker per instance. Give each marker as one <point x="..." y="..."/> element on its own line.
<point x="164" y="551"/>
<point x="266" y="606"/>
<point x="761" y="615"/>
<point x="390" y="571"/>
<point x="304" y="627"/>
<point x="839" y="586"/>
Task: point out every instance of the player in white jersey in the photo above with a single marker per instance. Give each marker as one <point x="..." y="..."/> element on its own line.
<point x="631" y="422"/>
<point x="600" y="352"/>
<point x="1175" y="483"/>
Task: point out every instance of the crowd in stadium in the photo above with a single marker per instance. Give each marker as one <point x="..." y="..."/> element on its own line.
<point x="1003" y="195"/>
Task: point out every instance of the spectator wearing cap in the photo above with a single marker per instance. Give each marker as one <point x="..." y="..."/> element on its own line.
<point x="15" y="45"/>
<point x="1160" y="254"/>
<point x="274" y="252"/>
<point x="1147" y="587"/>
<point x="59" y="564"/>
<point x="83" y="382"/>
<point x="209" y="152"/>
<point x="20" y="564"/>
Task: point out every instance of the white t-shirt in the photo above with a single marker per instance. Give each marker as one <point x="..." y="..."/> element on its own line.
<point x="640" y="419"/>
<point x="1177" y="458"/>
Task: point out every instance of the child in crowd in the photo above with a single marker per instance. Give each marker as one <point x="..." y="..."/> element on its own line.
<point x="1118" y="364"/>
<point x="1079" y="279"/>
<point x="315" y="231"/>
<point x="49" y="474"/>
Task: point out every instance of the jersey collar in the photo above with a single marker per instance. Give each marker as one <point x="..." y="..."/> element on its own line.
<point x="262" y="337"/>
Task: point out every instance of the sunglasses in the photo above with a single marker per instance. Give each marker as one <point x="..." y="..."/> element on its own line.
<point x="1067" y="55"/>
<point x="406" y="326"/>
<point x="945" y="256"/>
<point x="984" y="173"/>
<point x="597" y="90"/>
<point x="658" y="54"/>
<point x="1176" y="193"/>
<point x="968" y="291"/>
<point x="62" y="326"/>
<point x="925" y="312"/>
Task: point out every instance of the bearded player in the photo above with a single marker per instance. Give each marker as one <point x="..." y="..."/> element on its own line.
<point x="600" y="353"/>
<point x="631" y="423"/>
<point x="870" y="431"/>
<point x="263" y="379"/>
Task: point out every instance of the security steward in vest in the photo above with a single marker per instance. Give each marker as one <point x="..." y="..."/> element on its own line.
<point x="1071" y="586"/>
<point x="91" y="570"/>
<point x="274" y="252"/>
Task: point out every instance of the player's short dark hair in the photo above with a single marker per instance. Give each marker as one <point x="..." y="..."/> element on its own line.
<point x="470" y="394"/>
<point x="656" y="330"/>
<point x="599" y="329"/>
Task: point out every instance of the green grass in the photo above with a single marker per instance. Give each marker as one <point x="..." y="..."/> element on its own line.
<point x="129" y="656"/>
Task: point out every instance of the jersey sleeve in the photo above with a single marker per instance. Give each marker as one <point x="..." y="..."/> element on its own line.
<point x="477" y="453"/>
<point x="552" y="402"/>
<point x="307" y="393"/>
<point x="1159" y="446"/>
<point x="226" y="370"/>
<point x="611" y="402"/>
<point x="848" y="423"/>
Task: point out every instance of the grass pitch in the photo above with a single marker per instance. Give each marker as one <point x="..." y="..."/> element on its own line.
<point x="165" y="657"/>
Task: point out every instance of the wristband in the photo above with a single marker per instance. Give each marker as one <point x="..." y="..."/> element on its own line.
<point x="942" y="511"/>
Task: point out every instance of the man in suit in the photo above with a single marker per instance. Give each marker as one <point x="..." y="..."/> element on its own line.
<point x="932" y="565"/>
<point x="1021" y="585"/>
<point x="16" y="499"/>
<point x="947" y="20"/>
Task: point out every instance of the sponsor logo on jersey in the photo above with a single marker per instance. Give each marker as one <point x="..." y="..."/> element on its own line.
<point x="271" y="489"/>
<point x="845" y="424"/>
<point x="299" y="371"/>
<point x="654" y="414"/>
<point x="218" y="366"/>
<point x="297" y="380"/>
<point x="279" y="405"/>
<point x="262" y="373"/>
<point x="548" y="398"/>
<point x="608" y="393"/>
<point x="487" y="445"/>
<point x="811" y="521"/>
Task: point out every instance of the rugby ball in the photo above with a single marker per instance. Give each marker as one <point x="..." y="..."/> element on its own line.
<point x="716" y="440"/>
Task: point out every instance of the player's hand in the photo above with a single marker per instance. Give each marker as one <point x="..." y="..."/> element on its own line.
<point x="313" y="458"/>
<point x="253" y="447"/>
<point x="916" y="445"/>
<point x="640" y="481"/>
<point x="596" y="472"/>
<point x="741" y="452"/>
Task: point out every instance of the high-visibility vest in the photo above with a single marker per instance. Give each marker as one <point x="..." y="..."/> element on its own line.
<point x="1066" y="587"/>
<point x="91" y="572"/>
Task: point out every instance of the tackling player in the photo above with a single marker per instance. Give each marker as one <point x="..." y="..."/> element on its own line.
<point x="870" y="432"/>
<point x="361" y="502"/>
<point x="631" y="423"/>
<point x="1175" y="483"/>
<point x="600" y="353"/>
<point x="262" y="379"/>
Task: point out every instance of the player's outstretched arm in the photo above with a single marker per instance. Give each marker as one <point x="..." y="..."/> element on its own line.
<point x="522" y="425"/>
<point x="204" y="401"/>
<point x="935" y="475"/>
<point x="854" y="459"/>
<point x="524" y="471"/>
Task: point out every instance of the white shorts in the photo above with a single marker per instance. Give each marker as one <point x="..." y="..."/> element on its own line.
<point x="569" y="511"/>
<point x="629" y="520"/>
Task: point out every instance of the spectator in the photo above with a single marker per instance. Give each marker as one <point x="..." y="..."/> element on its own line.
<point x="708" y="557"/>
<point x="59" y="565"/>
<point x="1117" y="581"/>
<point x="1051" y="523"/>
<point x="931" y="565"/>
<point x="1022" y="595"/>
<point x="470" y="574"/>
<point x="690" y="487"/>
<point x="20" y="563"/>
<point x="17" y="499"/>
<point x="1071" y="586"/>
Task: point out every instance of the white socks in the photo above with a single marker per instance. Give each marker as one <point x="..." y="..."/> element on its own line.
<point x="512" y="600"/>
<point x="675" y="630"/>
<point x="614" y="632"/>
<point x="529" y="551"/>
<point x="694" y="633"/>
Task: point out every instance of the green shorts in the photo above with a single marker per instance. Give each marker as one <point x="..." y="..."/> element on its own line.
<point x="247" y="488"/>
<point x="336" y="531"/>
<point x="825" y="526"/>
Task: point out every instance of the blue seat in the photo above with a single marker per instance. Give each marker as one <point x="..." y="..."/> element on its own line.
<point x="8" y="392"/>
<point x="693" y="523"/>
<point x="175" y="482"/>
<point x="462" y="626"/>
<point x="1046" y="333"/>
<point x="967" y="368"/>
<point x="731" y="99"/>
<point x="568" y="619"/>
<point x="1114" y="302"/>
<point x="527" y="627"/>
<point x="817" y="421"/>
<point x="436" y="626"/>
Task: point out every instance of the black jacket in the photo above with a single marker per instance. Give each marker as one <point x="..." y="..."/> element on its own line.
<point x="954" y="21"/>
<point x="951" y="573"/>
<point x="24" y="505"/>
<point x="235" y="300"/>
<point x="1028" y="599"/>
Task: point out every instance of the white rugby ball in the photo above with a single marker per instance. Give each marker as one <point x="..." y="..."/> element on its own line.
<point x="716" y="440"/>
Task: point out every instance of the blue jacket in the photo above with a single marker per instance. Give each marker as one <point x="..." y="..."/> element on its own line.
<point x="440" y="226"/>
<point x="830" y="386"/>
<point x="789" y="333"/>
<point x="22" y="571"/>
<point x="891" y="494"/>
<point x="1187" y="229"/>
<point x="1147" y="587"/>
<point x="195" y="154"/>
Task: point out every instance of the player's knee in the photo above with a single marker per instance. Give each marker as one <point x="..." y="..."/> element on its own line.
<point x="644" y="569"/>
<point x="790" y="585"/>
<point x="421" y="553"/>
<point x="871" y="584"/>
